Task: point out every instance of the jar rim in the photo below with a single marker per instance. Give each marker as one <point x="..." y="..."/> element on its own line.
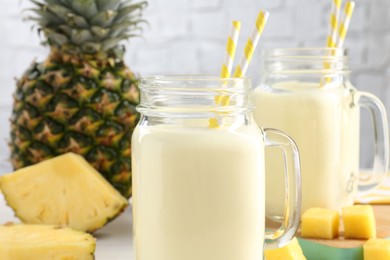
<point x="306" y="61"/>
<point x="193" y="94"/>
<point x="195" y="82"/>
<point x="163" y="78"/>
<point x="317" y="52"/>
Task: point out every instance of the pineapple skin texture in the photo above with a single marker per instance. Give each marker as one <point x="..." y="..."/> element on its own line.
<point x="64" y="191"/>
<point x="292" y="251"/>
<point x="359" y="222"/>
<point x="320" y="223"/>
<point x="376" y="249"/>
<point x="80" y="104"/>
<point x="44" y="242"/>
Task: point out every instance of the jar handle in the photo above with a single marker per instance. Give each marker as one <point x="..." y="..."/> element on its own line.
<point x="381" y="141"/>
<point x="293" y="195"/>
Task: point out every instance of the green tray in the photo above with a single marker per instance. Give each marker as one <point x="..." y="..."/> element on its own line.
<point x="316" y="251"/>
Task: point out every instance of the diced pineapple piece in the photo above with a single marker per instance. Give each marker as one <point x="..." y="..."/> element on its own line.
<point x="65" y="190"/>
<point x="292" y="251"/>
<point x="359" y="222"/>
<point x="376" y="249"/>
<point x="320" y="223"/>
<point x="43" y="242"/>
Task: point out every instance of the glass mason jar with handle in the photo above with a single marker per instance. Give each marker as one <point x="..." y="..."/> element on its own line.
<point x="199" y="188"/>
<point x="307" y="94"/>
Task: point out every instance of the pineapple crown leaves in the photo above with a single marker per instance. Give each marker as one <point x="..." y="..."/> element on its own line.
<point x="87" y="26"/>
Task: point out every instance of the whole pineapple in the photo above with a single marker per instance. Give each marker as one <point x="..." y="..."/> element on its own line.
<point x="82" y="98"/>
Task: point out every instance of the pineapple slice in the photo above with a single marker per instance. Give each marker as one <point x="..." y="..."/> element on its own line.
<point x="376" y="249"/>
<point x="320" y="223"/>
<point x="65" y="190"/>
<point x="292" y="251"/>
<point x="44" y="242"/>
<point x="359" y="222"/>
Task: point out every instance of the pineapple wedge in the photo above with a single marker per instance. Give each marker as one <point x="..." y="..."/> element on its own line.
<point x="44" y="242"/>
<point x="65" y="190"/>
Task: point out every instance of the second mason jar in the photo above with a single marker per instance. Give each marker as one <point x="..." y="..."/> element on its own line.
<point x="307" y="94"/>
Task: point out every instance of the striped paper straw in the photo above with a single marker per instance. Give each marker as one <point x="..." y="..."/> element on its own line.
<point x="380" y="195"/>
<point x="334" y="21"/>
<point x="251" y="44"/>
<point x="231" y="46"/>
<point x="332" y="34"/>
<point x="345" y="21"/>
<point x="230" y="49"/>
<point x="227" y="66"/>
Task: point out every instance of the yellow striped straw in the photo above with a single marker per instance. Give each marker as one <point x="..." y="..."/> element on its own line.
<point x="251" y="44"/>
<point x="345" y="21"/>
<point x="230" y="49"/>
<point x="227" y="66"/>
<point x="334" y="23"/>
<point x="231" y="46"/>
<point x="332" y="34"/>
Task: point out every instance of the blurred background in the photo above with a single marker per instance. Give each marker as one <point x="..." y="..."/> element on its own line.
<point x="188" y="36"/>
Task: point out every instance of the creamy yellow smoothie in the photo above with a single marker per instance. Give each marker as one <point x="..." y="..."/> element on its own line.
<point x="325" y="126"/>
<point x="198" y="193"/>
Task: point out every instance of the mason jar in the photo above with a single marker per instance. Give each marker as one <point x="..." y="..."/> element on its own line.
<point x="307" y="94"/>
<point x="198" y="172"/>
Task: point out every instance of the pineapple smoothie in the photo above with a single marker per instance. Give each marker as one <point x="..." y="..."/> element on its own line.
<point x="325" y="128"/>
<point x="198" y="193"/>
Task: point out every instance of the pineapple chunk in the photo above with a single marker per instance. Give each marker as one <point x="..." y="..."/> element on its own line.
<point x="359" y="222"/>
<point x="320" y="223"/>
<point x="65" y="190"/>
<point x="292" y="251"/>
<point x="44" y="242"/>
<point x="376" y="249"/>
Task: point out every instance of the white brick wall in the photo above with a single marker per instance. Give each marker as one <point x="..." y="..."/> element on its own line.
<point x="188" y="36"/>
